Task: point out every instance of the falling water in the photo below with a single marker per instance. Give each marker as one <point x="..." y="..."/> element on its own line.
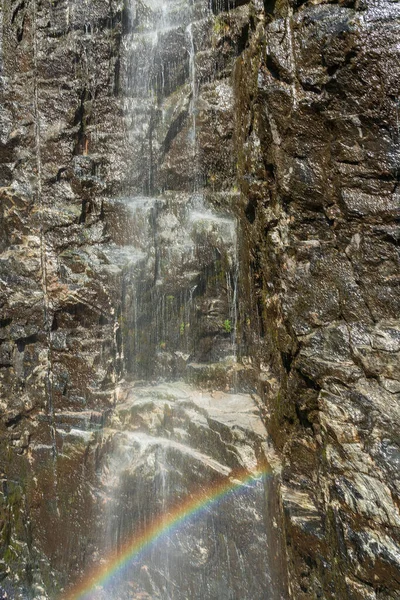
<point x="192" y="76"/>
<point x="180" y="430"/>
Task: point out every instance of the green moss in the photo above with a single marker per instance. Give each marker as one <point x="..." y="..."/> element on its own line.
<point x="227" y="326"/>
<point x="220" y="27"/>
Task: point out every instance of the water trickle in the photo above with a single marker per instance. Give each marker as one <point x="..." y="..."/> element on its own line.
<point x="192" y="77"/>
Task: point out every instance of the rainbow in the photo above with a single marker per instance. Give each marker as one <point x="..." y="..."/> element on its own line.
<point x="162" y="524"/>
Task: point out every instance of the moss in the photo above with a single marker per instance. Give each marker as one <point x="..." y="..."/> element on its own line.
<point x="221" y="27"/>
<point x="227" y="326"/>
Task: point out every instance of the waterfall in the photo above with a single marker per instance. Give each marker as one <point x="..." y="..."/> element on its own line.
<point x="186" y="481"/>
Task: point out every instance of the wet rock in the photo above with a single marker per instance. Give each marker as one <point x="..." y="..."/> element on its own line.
<point x="173" y="441"/>
<point x="324" y="153"/>
<point x="295" y="107"/>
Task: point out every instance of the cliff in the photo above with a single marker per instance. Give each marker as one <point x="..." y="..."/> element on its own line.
<point x="318" y="143"/>
<point x="297" y="129"/>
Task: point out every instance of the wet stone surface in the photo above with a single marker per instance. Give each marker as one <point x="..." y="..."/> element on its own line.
<point x="284" y="117"/>
<point x="318" y="169"/>
<point x="173" y="444"/>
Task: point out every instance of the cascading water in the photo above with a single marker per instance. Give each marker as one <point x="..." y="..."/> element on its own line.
<point x="187" y="489"/>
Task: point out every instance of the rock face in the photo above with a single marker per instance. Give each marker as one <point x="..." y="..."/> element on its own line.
<point x="281" y="117"/>
<point x="117" y="140"/>
<point x="59" y="292"/>
<point x="317" y="93"/>
<point x="172" y="442"/>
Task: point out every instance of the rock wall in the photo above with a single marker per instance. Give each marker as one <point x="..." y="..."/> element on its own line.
<point x="317" y="93"/>
<point x="77" y="139"/>
<point x="297" y="123"/>
<point x="62" y="157"/>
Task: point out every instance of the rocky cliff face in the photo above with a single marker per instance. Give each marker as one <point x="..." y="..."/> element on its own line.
<point x="62" y="155"/>
<point x="317" y="93"/>
<point x="297" y="129"/>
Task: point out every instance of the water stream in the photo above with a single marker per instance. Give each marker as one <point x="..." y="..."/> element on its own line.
<point x="187" y="489"/>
